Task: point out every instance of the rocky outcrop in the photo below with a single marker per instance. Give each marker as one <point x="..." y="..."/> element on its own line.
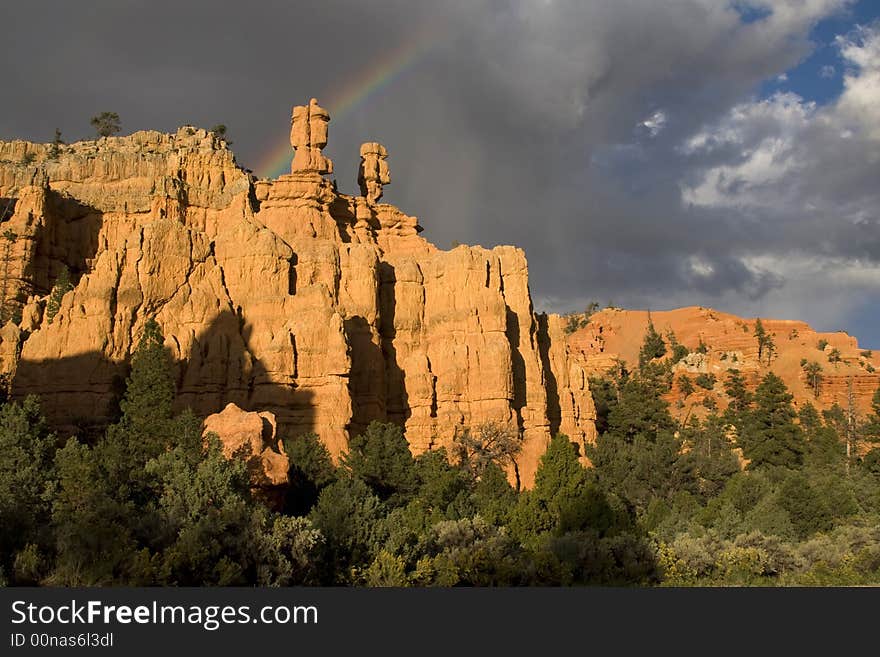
<point x="373" y="171"/>
<point x="285" y="296"/>
<point x="728" y="342"/>
<point x="251" y="437"/>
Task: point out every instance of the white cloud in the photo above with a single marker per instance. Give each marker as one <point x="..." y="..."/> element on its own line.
<point x="779" y="146"/>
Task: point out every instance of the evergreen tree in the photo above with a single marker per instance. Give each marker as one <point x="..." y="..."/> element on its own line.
<point x="872" y="424"/>
<point x="146" y="428"/>
<point x="494" y="497"/>
<point x="805" y="507"/>
<point x="563" y="498"/>
<point x="380" y="457"/>
<point x="150" y="389"/>
<point x="735" y="387"/>
<point x="770" y="435"/>
<point x="220" y="131"/>
<point x="311" y="469"/>
<point x="638" y="457"/>
<point x="347" y="515"/>
<point x="653" y="345"/>
<point x="709" y="457"/>
<point x="813" y="374"/>
<point x="760" y="335"/>
<point x="27" y="480"/>
<point x="55" y="145"/>
<point x="685" y="385"/>
<point x="106" y="124"/>
<point x="62" y="286"/>
<point x="443" y="489"/>
<point x="94" y="541"/>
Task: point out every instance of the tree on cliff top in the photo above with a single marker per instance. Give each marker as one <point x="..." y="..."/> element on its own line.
<point x="220" y="131"/>
<point x="106" y="124"/>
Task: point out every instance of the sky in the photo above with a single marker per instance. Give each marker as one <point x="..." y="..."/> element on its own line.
<point x="646" y="154"/>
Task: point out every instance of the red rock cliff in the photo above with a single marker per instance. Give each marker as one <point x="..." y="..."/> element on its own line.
<point x="283" y="295"/>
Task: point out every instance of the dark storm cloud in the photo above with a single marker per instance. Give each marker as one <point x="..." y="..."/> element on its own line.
<point x="567" y="128"/>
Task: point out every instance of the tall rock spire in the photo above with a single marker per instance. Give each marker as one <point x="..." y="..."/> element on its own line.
<point x="308" y="136"/>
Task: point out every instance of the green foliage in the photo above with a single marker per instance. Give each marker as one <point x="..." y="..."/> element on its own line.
<point x="679" y="351"/>
<point x="27" y="481"/>
<point x="347" y="515"/>
<point x="563" y="498"/>
<point x="769" y="435"/>
<point x="804" y="505"/>
<point x="872" y="423"/>
<point x="822" y="344"/>
<point x="653" y="345"/>
<point x="813" y="374"/>
<point x="604" y="393"/>
<point x="55" y="145"/>
<point x="62" y="286"/>
<point x="766" y="345"/>
<point x="220" y="131"/>
<point x="834" y="356"/>
<point x="685" y="385"/>
<point x="735" y="388"/>
<point x="493" y="496"/>
<point x="708" y="457"/>
<point x="444" y="490"/>
<point x="149" y="390"/>
<point x="705" y="380"/>
<point x="380" y="457"/>
<point x="106" y="124"/>
<point x="576" y="321"/>
<point x="311" y="469"/>
<point x="152" y="502"/>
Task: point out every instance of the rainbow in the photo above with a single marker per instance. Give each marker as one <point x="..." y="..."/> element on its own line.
<point x="369" y="82"/>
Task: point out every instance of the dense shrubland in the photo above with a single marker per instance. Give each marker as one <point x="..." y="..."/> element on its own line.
<point x="758" y="494"/>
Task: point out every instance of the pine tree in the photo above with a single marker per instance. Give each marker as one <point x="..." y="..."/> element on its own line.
<point x="769" y="435"/>
<point x="146" y="428"/>
<point x="380" y="457"/>
<point x="735" y="387"/>
<point x="150" y="389"/>
<point x="766" y="346"/>
<point x="872" y="426"/>
<point x="106" y="124"/>
<point x="813" y="373"/>
<point x="653" y="345"/>
<point x="62" y="286"/>
<point x="55" y="145"/>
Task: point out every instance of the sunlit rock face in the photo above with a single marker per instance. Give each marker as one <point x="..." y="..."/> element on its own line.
<point x="285" y="296"/>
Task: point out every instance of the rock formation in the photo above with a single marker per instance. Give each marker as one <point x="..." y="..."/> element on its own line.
<point x="285" y="296"/>
<point x="251" y="437"/>
<point x="373" y="171"/>
<point x="730" y="343"/>
<point x="308" y="136"/>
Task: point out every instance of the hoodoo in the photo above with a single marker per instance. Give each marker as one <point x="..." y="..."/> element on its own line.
<point x="282" y="296"/>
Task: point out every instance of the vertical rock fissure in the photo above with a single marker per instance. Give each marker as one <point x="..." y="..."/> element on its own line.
<point x="554" y="409"/>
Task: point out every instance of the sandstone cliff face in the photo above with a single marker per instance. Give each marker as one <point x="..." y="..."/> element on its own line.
<point x="283" y="296"/>
<point x="730" y="343"/>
